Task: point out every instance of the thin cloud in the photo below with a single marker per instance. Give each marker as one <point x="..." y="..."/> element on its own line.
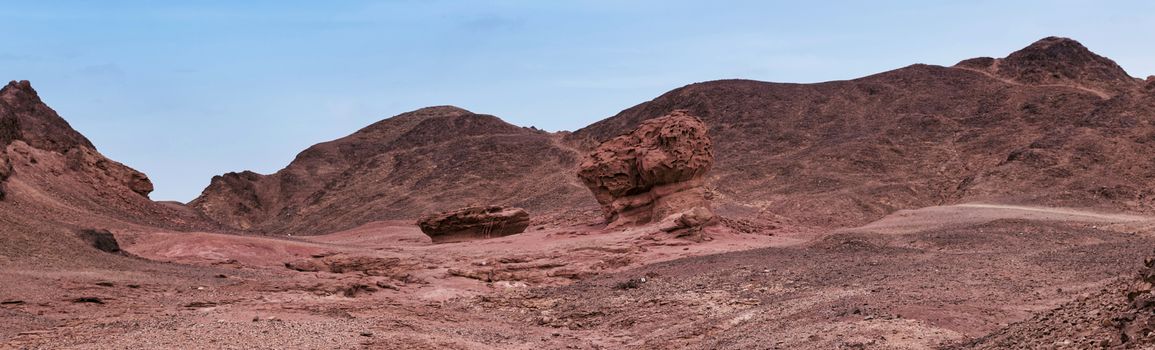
<point x="491" y="23"/>
<point x="11" y="57"/>
<point x="102" y="71"/>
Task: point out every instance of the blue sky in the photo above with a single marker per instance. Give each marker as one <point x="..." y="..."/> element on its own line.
<point x="184" y="90"/>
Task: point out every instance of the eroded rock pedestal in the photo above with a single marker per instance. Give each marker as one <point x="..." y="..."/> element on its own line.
<point x="652" y="173"/>
<point x="474" y="223"/>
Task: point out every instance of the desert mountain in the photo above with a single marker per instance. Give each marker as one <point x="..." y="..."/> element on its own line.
<point x="54" y="182"/>
<point x="1053" y="124"/>
<point x="431" y="159"/>
<point x="1050" y="124"/>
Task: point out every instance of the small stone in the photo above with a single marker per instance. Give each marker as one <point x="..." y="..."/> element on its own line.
<point x="387" y="285"/>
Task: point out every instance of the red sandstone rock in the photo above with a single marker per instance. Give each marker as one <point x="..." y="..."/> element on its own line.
<point x="651" y="173"/>
<point x="474" y="223"/>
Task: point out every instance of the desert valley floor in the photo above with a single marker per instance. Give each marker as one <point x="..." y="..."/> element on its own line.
<point x="937" y="276"/>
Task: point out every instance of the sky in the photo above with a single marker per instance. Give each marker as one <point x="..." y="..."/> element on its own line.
<point x="184" y="90"/>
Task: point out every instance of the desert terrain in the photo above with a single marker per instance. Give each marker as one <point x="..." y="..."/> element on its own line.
<point x="999" y="203"/>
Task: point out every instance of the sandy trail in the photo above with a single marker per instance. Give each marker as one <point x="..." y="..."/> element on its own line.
<point x="1102" y="94"/>
<point x="914" y="220"/>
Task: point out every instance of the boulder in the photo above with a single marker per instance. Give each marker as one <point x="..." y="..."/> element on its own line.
<point x="652" y="173"/>
<point x="102" y="240"/>
<point x="693" y="219"/>
<point x="474" y="223"/>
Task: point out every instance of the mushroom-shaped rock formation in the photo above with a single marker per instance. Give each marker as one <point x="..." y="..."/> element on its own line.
<point x="474" y="223"/>
<point x="653" y="172"/>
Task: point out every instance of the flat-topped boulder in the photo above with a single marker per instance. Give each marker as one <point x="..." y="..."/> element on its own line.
<point x="474" y="223"/>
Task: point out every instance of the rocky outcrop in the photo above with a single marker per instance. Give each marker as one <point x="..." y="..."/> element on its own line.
<point x="27" y="124"/>
<point x="371" y="266"/>
<point x="96" y="165"/>
<point x="233" y="199"/>
<point x="474" y="223"/>
<point x="102" y="240"/>
<point x="52" y="179"/>
<point x="653" y="172"/>
<point x="23" y="116"/>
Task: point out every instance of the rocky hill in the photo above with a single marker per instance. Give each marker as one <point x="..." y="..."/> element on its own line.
<point x="54" y="182"/>
<point x="428" y="160"/>
<point x="1050" y="124"/>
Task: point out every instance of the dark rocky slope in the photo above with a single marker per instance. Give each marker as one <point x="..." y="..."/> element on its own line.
<point x="55" y="183"/>
<point x="1051" y="124"/>
<point x="429" y="160"/>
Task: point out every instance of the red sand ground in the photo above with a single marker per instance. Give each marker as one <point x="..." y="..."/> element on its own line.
<point x="915" y="279"/>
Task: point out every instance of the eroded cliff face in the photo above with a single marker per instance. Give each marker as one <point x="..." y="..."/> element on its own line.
<point x="651" y="173"/>
<point x="54" y="182"/>
<point x="33" y="136"/>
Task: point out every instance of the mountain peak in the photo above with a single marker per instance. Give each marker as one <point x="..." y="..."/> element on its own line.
<point x="1063" y="51"/>
<point x="1062" y="43"/>
<point x="17" y="89"/>
<point x="1056" y="60"/>
<point x="23" y="116"/>
<point x="20" y="93"/>
<point x="446" y="109"/>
